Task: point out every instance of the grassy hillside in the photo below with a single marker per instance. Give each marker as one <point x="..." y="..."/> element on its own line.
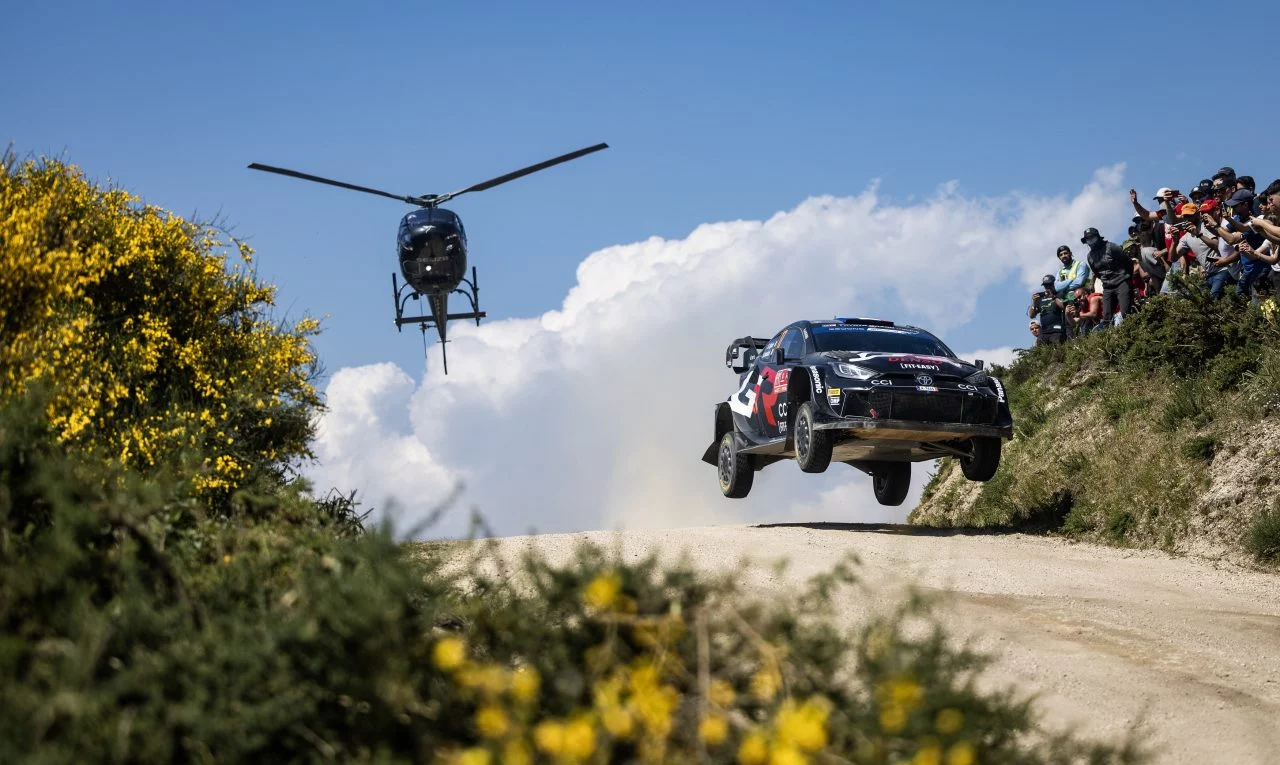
<point x="1162" y="432"/>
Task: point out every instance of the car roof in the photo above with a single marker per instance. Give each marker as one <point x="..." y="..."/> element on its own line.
<point x="851" y="321"/>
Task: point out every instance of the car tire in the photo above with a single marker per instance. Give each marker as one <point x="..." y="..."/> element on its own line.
<point x="982" y="465"/>
<point x="891" y="481"/>
<point x="734" y="468"/>
<point x="813" y="446"/>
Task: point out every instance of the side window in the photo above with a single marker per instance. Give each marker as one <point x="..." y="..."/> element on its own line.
<point x="793" y="345"/>
<point x="766" y="353"/>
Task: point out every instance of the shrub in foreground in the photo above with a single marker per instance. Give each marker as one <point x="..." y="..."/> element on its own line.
<point x="149" y="345"/>
<point x="279" y="640"/>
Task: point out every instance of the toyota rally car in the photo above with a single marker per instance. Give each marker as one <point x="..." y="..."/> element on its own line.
<point x="866" y="392"/>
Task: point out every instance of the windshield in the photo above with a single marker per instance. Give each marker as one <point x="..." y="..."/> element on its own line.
<point x="846" y="337"/>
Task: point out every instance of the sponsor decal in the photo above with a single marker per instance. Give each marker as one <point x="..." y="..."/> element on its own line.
<point x="882" y="382"/>
<point x="780" y="382"/>
<point x="744" y="400"/>
<point x="782" y="412"/>
<point x="932" y="367"/>
<point x="927" y="388"/>
<point x="782" y="426"/>
<point x="924" y="379"/>
<point x="833" y="392"/>
<point x="966" y="386"/>
<point x="816" y="374"/>
<point x="999" y="389"/>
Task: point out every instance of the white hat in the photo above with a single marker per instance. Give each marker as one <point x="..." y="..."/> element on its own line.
<point x="1163" y="192"/>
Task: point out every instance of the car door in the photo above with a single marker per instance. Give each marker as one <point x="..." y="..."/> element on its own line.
<point x="771" y="399"/>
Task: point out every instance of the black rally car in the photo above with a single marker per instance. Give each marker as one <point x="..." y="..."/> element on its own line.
<point x="865" y="392"/>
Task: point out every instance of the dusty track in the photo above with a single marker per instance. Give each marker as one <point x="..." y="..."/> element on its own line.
<point x="1100" y="634"/>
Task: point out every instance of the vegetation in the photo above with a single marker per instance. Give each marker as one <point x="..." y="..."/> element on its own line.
<point x="1130" y="436"/>
<point x="156" y="606"/>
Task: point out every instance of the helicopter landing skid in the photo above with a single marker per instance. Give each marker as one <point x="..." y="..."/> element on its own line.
<point x="401" y="299"/>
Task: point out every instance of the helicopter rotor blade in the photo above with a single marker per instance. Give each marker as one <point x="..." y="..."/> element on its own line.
<point x="340" y="184"/>
<point x="522" y="172"/>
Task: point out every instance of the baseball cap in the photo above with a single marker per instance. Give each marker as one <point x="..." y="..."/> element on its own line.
<point x="1208" y="204"/>
<point x="1188" y="209"/>
<point x="1240" y="197"/>
<point x="1163" y="192"/>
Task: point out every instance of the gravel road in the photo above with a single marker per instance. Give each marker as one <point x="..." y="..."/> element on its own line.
<point x="1100" y="634"/>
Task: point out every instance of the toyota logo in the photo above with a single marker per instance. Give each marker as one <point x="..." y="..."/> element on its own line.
<point x="924" y="379"/>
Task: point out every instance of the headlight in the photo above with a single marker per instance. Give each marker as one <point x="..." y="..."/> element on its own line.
<point x="978" y="378"/>
<point x="854" y="371"/>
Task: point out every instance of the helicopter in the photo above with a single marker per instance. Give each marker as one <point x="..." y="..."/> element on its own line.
<point x="432" y="248"/>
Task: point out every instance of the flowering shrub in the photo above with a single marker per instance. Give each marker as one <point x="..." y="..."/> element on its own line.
<point x="150" y="345"/>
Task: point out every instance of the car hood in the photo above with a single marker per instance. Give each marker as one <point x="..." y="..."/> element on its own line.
<point x="901" y="363"/>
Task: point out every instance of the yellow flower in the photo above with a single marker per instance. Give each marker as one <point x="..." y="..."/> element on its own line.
<point x="765" y="683"/>
<point x="489" y="678"/>
<point x="961" y="753"/>
<point x="579" y="739"/>
<point x="802" y="726"/>
<point x="904" y="692"/>
<point x="617" y="721"/>
<point x="893" y="719"/>
<point x="525" y="683"/>
<point x="929" y="754"/>
<point x="713" y="729"/>
<point x="491" y="721"/>
<point x="721" y="693"/>
<point x="226" y="558"/>
<point x="602" y="591"/>
<point x="473" y="756"/>
<point x="787" y="756"/>
<point x="516" y="752"/>
<point x="549" y="736"/>
<point x="754" y="749"/>
<point x="950" y="721"/>
<point x="449" y="653"/>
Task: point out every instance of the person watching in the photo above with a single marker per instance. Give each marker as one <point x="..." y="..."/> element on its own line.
<point x="1074" y="273"/>
<point x="1088" y="311"/>
<point x="1114" y="267"/>
<point x="1051" y="311"/>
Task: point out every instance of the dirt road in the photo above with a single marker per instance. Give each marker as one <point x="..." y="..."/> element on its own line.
<point x="1101" y="634"/>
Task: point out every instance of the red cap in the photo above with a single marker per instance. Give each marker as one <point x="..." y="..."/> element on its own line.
<point x="1209" y="204"/>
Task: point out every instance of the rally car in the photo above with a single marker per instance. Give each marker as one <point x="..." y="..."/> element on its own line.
<point x="870" y="393"/>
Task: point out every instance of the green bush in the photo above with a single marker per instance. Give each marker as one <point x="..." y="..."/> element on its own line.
<point x="275" y="641"/>
<point x="1263" y="540"/>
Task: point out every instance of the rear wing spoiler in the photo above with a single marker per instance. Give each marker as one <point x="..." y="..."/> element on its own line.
<point x="741" y="353"/>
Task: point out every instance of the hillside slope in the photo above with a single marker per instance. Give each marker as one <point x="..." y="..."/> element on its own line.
<point x="1162" y="432"/>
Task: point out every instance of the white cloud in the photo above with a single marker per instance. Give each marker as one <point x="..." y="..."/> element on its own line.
<point x="596" y="415"/>
<point x="1003" y="355"/>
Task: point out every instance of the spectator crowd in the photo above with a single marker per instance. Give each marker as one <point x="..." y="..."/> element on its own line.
<point x="1222" y="232"/>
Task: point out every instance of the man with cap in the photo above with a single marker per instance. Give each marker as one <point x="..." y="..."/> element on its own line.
<point x="1221" y="261"/>
<point x="1051" y="311"/>
<point x="1074" y="273"/>
<point x="1233" y="230"/>
<point x="1114" y="267"/>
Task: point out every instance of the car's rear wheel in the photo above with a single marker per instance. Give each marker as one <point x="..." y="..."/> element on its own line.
<point x="982" y="463"/>
<point x="891" y="481"/>
<point x="734" y="468"/>
<point x="813" y="446"/>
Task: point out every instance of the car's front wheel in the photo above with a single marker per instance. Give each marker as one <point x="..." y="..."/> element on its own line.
<point x="813" y="446"/>
<point x="734" y="468"/>
<point x="891" y="481"/>
<point x="983" y="460"/>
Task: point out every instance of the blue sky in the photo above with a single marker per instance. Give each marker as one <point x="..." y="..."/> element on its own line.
<point x="714" y="111"/>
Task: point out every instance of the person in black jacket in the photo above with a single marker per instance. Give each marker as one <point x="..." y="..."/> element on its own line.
<point x="1114" y="267"/>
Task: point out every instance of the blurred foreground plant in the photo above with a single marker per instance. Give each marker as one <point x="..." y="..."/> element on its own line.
<point x="279" y="640"/>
